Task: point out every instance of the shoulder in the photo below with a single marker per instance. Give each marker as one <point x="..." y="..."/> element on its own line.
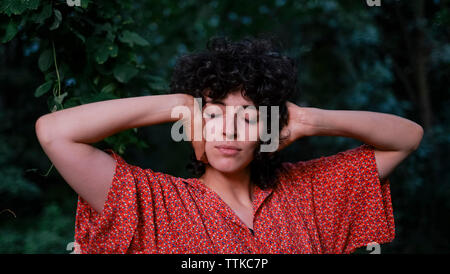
<point x="126" y="171"/>
<point x="349" y="161"/>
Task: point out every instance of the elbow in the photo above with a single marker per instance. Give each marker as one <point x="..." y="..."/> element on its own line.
<point x="42" y="130"/>
<point x="418" y="139"/>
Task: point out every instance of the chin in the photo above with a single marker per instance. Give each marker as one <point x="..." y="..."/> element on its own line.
<point x="226" y="165"/>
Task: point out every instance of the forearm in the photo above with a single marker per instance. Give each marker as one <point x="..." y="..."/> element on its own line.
<point x="93" y="122"/>
<point x="383" y="131"/>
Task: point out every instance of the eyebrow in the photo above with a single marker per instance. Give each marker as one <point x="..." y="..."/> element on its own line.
<point x="220" y="102"/>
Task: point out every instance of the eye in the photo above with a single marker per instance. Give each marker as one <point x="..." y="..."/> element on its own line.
<point x="250" y="121"/>
<point x="212" y="111"/>
<point x="249" y="115"/>
<point x="212" y="115"/>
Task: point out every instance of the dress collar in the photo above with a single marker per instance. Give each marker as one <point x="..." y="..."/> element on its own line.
<point x="259" y="195"/>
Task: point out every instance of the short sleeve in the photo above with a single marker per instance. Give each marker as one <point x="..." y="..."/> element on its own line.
<point x="351" y="207"/>
<point x="113" y="230"/>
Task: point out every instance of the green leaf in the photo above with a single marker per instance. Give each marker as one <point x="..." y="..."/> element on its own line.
<point x="17" y="7"/>
<point x="11" y="31"/>
<point x="113" y="50"/>
<point x="109" y="29"/>
<point x="78" y="34"/>
<point x="97" y="97"/>
<point x="44" y="88"/>
<point x="104" y="51"/>
<point x="85" y="3"/>
<point x="132" y="38"/>
<point x="43" y="15"/>
<point x="72" y="102"/>
<point x="58" y="99"/>
<point x="18" y="185"/>
<point x="57" y="21"/>
<point x="108" y="88"/>
<point x="51" y="75"/>
<point x="124" y="72"/>
<point x="45" y="60"/>
<point x="63" y="70"/>
<point x="157" y="83"/>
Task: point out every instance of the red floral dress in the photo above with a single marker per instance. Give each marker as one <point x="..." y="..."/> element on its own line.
<point x="331" y="204"/>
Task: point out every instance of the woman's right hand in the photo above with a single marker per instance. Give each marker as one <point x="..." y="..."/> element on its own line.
<point x="196" y="122"/>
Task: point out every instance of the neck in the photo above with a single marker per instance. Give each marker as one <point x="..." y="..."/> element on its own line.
<point x="236" y="186"/>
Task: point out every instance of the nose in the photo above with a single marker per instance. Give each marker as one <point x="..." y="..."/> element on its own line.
<point x="230" y="126"/>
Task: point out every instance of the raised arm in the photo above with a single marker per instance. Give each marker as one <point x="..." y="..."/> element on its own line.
<point x="66" y="135"/>
<point x="393" y="137"/>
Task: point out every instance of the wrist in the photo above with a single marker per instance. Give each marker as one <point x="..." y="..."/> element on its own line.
<point x="172" y="103"/>
<point x="185" y="100"/>
<point x="308" y="121"/>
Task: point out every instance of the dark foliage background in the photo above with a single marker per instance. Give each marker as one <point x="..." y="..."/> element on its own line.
<point x="393" y="58"/>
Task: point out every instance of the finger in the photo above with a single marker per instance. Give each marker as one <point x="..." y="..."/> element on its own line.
<point x="199" y="149"/>
<point x="199" y="145"/>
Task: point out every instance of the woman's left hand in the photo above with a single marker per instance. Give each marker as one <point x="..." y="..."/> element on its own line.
<point x="299" y="124"/>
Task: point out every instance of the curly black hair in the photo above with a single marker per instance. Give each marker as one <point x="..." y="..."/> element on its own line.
<point x="252" y="65"/>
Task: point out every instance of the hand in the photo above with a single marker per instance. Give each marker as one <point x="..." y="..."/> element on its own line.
<point x="299" y="124"/>
<point x="196" y="115"/>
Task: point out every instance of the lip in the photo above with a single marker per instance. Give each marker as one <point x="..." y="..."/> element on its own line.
<point x="228" y="150"/>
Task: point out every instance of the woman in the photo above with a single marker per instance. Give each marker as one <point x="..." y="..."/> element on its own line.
<point x="242" y="200"/>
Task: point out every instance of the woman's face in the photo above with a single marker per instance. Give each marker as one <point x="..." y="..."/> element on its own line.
<point x="231" y="131"/>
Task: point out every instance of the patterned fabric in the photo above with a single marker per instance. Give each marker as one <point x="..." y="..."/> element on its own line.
<point x="331" y="204"/>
